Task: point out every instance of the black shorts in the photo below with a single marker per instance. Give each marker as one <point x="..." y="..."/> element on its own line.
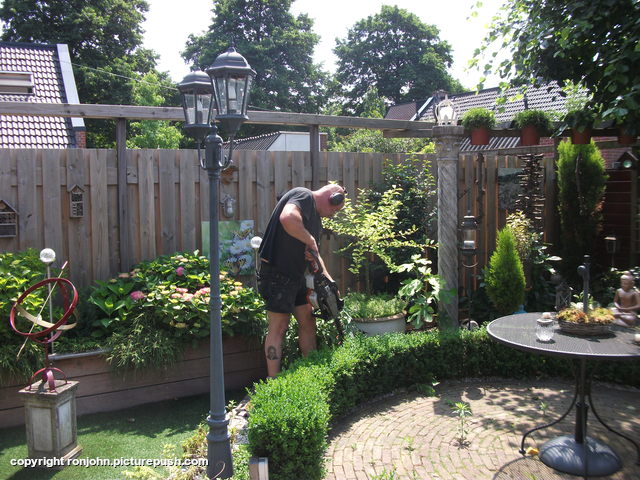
<point x="281" y="293"/>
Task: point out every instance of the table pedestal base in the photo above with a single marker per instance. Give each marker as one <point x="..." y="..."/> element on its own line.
<point x="591" y="458"/>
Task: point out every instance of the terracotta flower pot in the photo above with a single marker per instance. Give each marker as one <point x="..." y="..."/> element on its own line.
<point x="581" y="138"/>
<point x="529" y="136"/>
<point x="479" y="136"/>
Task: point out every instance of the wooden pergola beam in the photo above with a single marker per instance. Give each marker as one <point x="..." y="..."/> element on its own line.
<point x="131" y="112"/>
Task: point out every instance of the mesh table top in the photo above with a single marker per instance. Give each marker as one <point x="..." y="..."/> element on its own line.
<point x="519" y="331"/>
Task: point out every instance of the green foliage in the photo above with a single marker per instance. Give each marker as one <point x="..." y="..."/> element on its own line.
<point x="277" y="45"/>
<point x="505" y="276"/>
<point x="462" y="410"/>
<point x="18" y="272"/>
<point x="292" y="413"/>
<point x="288" y="423"/>
<point x="580" y="119"/>
<point x="580" y="201"/>
<point x="365" y="140"/>
<point x="478" y="117"/>
<point x="149" y="314"/>
<point x="369" y="228"/>
<point x="359" y="305"/>
<point x="395" y="52"/>
<point x="152" y="133"/>
<point x="418" y="200"/>
<point x="591" y="43"/>
<point x="537" y="118"/>
<point x="423" y="291"/>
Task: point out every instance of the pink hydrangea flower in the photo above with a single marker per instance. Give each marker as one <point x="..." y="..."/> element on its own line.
<point x="180" y="271"/>
<point x="137" y="295"/>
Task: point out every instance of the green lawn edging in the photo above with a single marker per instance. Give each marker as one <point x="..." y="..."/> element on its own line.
<point x="291" y="414"/>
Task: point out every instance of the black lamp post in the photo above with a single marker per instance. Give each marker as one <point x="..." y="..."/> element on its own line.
<point x="229" y="78"/>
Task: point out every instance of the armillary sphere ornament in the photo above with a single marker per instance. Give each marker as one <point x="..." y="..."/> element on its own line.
<point x="42" y="331"/>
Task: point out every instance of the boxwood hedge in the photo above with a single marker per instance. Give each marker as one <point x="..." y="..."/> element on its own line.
<point x="291" y="414"/>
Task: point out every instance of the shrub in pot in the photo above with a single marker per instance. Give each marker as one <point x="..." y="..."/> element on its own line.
<point x="581" y="123"/>
<point x="479" y="120"/>
<point x="375" y="314"/>
<point x="533" y="124"/>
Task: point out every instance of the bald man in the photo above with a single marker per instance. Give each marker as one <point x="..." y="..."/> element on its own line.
<point x="293" y="232"/>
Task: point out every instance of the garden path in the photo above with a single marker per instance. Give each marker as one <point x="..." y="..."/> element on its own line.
<point x="415" y="437"/>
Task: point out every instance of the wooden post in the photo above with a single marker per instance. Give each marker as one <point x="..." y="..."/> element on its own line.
<point x="123" y="216"/>
<point x="314" y="150"/>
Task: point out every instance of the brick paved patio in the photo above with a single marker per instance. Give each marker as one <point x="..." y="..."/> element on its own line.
<point x="411" y="436"/>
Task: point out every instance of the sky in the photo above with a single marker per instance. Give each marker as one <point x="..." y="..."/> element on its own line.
<point x="169" y="24"/>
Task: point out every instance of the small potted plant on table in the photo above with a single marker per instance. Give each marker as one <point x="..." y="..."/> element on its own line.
<point x="480" y="121"/>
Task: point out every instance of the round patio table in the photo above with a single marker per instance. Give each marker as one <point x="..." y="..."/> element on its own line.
<point x="575" y="454"/>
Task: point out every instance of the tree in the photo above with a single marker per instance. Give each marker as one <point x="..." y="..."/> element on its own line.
<point x="105" y="44"/>
<point x="592" y="43"/>
<point x="277" y="45"/>
<point x="505" y="276"/>
<point x="396" y="53"/>
<point x="152" y="133"/>
<point x="581" y="186"/>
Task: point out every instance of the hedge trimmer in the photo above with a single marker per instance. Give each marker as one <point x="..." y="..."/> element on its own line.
<point x="324" y="296"/>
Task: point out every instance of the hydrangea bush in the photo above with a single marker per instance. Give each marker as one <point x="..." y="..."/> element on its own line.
<point x="167" y="299"/>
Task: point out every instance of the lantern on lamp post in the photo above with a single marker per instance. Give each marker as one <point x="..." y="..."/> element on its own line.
<point x="469" y="248"/>
<point x="226" y="83"/>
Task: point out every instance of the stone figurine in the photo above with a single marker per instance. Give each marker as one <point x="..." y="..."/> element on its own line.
<point x="626" y="301"/>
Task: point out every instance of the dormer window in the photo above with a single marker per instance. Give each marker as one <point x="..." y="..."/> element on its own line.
<point x="16" y="82"/>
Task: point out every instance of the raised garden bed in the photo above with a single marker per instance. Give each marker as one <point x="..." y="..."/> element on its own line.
<point x="102" y="389"/>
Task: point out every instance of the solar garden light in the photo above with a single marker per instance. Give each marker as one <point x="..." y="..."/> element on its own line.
<point x="228" y="81"/>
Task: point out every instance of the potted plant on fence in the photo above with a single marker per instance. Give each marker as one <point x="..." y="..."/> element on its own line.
<point x="479" y="120"/>
<point x="581" y="123"/>
<point x="533" y="124"/>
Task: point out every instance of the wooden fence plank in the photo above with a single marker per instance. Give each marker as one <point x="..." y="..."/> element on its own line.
<point x="146" y="204"/>
<point x="264" y="191"/>
<point x="52" y="203"/>
<point x="187" y="212"/>
<point x="28" y="233"/>
<point x="78" y="228"/>
<point x="168" y="199"/>
<point x="297" y="170"/>
<point x="99" y="213"/>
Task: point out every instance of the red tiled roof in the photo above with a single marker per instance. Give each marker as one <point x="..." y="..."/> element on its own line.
<point x="35" y="131"/>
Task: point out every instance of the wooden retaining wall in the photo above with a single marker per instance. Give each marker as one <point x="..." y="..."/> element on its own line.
<point x="101" y="389"/>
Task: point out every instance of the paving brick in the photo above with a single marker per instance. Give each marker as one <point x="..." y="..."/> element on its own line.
<point x="417" y="435"/>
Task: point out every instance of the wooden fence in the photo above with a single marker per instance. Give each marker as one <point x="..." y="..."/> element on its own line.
<point x="167" y="199"/>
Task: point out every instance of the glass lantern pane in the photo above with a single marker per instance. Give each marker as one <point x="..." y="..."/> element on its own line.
<point x="221" y="95"/>
<point x="235" y="94"/>
<point x="247" y="89"/>
<point x="205" y="108"/>
<point x="189" y="107"/>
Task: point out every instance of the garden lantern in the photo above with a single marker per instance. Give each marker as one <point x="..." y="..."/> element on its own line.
<point x="446" y="113"/>
<point x="196" y="95"/>
<point x="611" y="244"/>
<point x="230" y="79"/>
<point x="469" y="229"/>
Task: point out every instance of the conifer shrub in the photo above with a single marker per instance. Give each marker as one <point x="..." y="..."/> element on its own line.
<point x="580" y="203"/>
<point x="505" y="276"/>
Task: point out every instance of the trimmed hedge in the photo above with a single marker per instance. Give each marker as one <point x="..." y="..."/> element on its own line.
<point x="291" y="414"/>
